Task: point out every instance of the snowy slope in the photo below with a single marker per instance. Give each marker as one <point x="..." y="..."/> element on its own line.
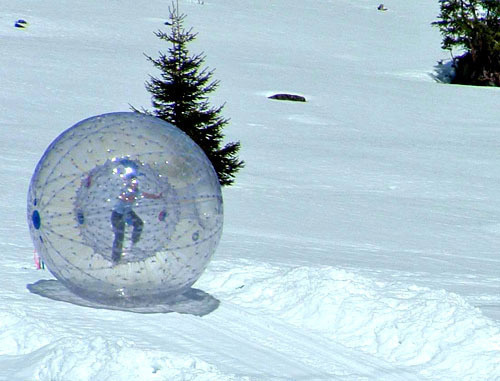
<point x="360" y="241"/>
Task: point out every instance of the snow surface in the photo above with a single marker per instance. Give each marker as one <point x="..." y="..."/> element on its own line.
<point x="361" y="240"/>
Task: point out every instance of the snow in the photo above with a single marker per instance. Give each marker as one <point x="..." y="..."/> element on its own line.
<point x="360" y="241"/>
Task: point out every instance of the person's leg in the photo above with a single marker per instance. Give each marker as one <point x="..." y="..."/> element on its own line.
<point x="138" y="224"/>
<point x="118" y="223"/>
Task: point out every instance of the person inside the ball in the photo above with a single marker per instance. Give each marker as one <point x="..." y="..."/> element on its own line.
<point x="123" y="213"/>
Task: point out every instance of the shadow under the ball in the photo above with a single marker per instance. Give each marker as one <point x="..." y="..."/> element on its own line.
<point x="193" y="301"/>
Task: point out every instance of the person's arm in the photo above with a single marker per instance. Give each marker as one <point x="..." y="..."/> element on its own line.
<point x="152" y="196"/>
<point x="87" y="182"/>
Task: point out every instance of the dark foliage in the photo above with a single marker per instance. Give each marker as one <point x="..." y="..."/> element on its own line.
<point x="179" y="96"/>
<point x="472" y="26"/>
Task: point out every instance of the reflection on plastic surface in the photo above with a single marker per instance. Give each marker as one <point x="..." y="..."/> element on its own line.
<point x="125" y="208"/>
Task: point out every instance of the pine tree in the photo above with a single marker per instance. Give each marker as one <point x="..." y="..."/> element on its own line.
<point x="179" y="96"/>
<point x="474" y="27"/>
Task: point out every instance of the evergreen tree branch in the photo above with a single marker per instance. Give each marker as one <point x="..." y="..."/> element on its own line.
<point x="179" y="95"/>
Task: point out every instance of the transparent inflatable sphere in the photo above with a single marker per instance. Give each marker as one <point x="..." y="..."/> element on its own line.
<point x="125" y="209"/>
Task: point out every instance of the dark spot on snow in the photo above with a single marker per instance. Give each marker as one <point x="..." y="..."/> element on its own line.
<point x="288" y="97"/>
<point x="21" y="23"/>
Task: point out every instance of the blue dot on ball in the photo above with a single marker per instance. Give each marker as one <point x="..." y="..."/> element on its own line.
<point x="35" y="218"/>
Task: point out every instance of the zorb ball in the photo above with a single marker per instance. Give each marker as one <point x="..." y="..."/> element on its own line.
<point x="125" y="209"/>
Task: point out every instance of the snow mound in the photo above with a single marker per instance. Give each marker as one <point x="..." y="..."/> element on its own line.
<point x="433" y="330"/>
<point x="20" y="333"/>
<point x="113" y="360"/>
<point x="34" y="350"/>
